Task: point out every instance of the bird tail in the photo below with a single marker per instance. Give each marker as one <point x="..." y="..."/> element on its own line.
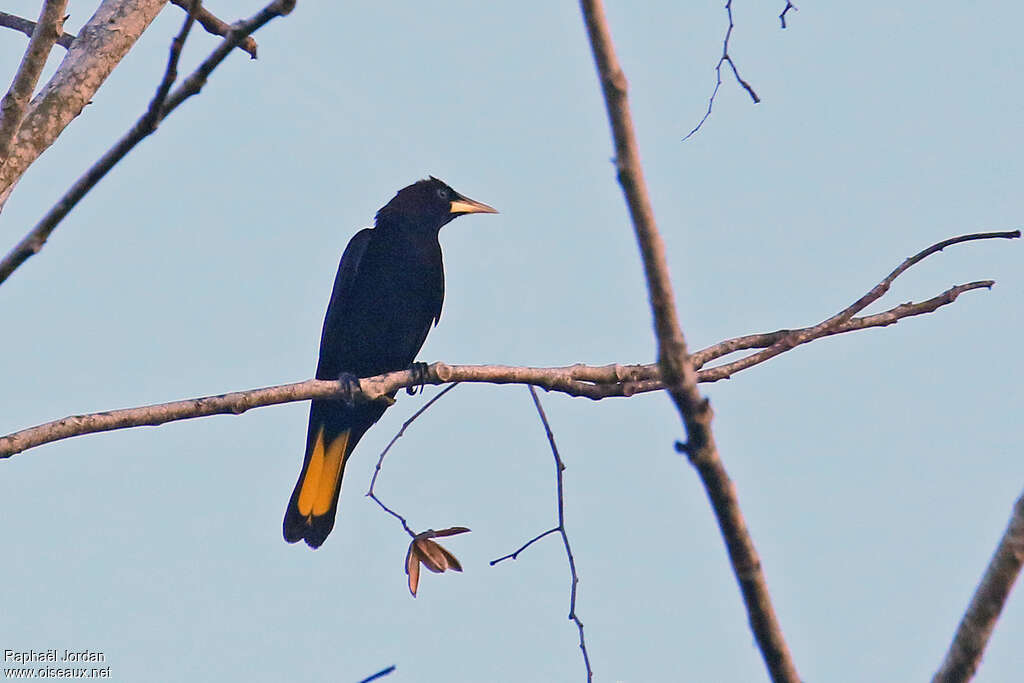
<point x="314" y="502"/>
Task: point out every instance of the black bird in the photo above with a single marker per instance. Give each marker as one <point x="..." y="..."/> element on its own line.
<point x="387" y="295"/>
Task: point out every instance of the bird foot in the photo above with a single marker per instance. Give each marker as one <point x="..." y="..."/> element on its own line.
<point x="349" y="387"/>
<point x="420" y="373"/>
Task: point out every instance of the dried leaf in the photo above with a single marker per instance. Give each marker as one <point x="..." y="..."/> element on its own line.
<point x="412" y="568"/>
<point x="431" y="555"/>
<point x="453" y="563"/>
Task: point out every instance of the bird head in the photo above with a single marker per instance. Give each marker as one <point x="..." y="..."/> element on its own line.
<point x="430" y="203"/>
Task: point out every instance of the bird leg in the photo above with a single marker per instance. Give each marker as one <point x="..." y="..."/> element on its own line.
<point x="420" y="373"/>
<point x="349" y="387"/>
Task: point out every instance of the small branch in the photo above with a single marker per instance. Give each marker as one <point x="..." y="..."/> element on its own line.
<point x="197" y="79"/>
<point x="514" y="555"/>
<point x="842" y="320"/>
<point x="785" y="10"/>
<point x="735" y="72"/>
<point x="151" y="119"/>
<point x="27" y="27"/>
<point x="787" y="340"/>
<point x="769" y="339"/>
<point x="560" y="529"/>
<point x="975" y="628"/>
<point x="160" y="107"/>
<point x="380" y="674"/>
<point x="15" y="103"/>
<point x="396" y="437"/>
<point x="217" y="27"/>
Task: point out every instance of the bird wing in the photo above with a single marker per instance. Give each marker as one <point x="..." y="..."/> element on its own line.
<point x="344" y="282"/>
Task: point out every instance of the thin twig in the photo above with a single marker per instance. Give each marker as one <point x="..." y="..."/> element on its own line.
<point x="786" y="340"/>
<point x="197" y="79"/>
<point x="15" y="102"/>
<point x="217" y="27"/>
<point x="785" y="10"/>
<point x="33" y="242"/>
<point x="560" y="529"/>
<point x="677" y="370"/>
<point x="27" y="26"/>
<point x="514" y="555"/>
<point x="840" y="320"/>
<point x="380" y="674"/>
<point x="593" y="382"/>
<point x="975" y="629"/>
<point x="396" y="437"/>
<point x="718" y="73"/>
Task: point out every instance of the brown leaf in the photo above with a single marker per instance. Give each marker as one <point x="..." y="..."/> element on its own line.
<point x="433" y="556"/>
<point x="422" y="550"/>
<point x="412" y="568"/>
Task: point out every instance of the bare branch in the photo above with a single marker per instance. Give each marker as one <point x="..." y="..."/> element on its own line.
<point x="218" y="27"/>
<point x="15" y="102"/>
<point x="197" y="79"/>
<point x="101" y="44"/>
<point x="594" y="382"/>
<point x="787" y="339"/>
<point x="560" y="529"/>
<point x="380" y="674"/>
<point x="735" y="72"/>
<point x="781" y="341"/>
<point x="380" y="460"/>
<point x="162" y="105"/>
<point x="514" y="555"/>
<point x="785" y="10"/>
<point x="975" y="628"/>
<point x="577" y="380"/>
<point x="27" y="27"/>
<point x="677" y="371"/>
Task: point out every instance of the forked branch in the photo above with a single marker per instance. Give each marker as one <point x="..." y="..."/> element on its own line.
<point x="27" y="27"/>
<point x="217" y="26"/>
<point x="164" y="102"/>
<point x="45" y="34"/>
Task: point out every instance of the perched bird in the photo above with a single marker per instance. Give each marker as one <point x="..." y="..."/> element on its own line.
<point x="387" y="295"/>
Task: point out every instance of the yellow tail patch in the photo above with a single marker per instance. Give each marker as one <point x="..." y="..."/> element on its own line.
<point x="321" y="478"/>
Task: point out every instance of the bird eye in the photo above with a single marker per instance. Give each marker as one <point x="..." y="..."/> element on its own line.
<point x="442" y="192"/>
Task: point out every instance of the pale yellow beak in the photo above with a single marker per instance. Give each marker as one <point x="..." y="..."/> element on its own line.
<point x="464" y="205"/>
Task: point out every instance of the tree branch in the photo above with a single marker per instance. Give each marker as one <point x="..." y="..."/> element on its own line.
<point x="370" y="493"/>
<point x="162" y="105"/>
<point x="101" y="44"/>
<point x="560" y="529"/>
<point x="677" y="371"/>
<point x="197" y="79"/>
<point x="15" y="102"/>
<point x="785" y="11"/>
<point x="217" y="27"/>
<point x="594" y="382"/>
<point x="27" y="27"/>
<point x="380" y="674"/>
<point x="975" y="628"/>
<point x="726" y="57"/>
<point x="784" y="340"/>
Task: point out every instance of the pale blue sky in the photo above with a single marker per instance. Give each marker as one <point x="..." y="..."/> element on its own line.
<point x="876" y="470"/>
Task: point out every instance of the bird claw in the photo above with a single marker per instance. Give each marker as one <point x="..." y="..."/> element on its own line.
<point x="349" y="387"/>
<point x="420" y="373"/>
